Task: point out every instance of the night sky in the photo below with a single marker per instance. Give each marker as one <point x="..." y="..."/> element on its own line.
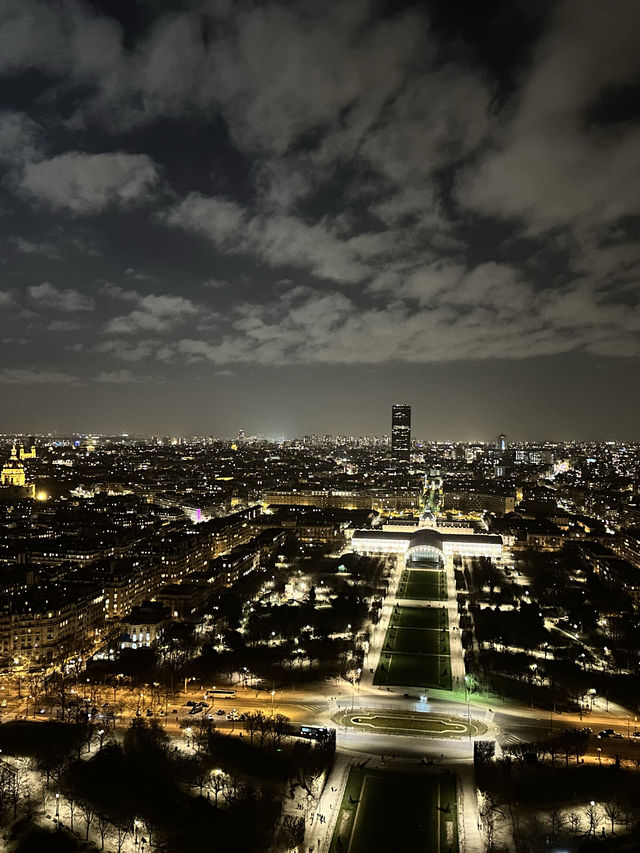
<point x="285" y="217"/>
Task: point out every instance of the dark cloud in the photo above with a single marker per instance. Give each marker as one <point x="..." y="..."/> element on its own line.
<point x="349" y="184"/>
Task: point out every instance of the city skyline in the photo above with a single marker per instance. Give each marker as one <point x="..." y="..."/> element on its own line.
<point x="212" y="213"/>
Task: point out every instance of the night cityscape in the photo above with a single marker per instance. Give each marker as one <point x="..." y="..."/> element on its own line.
<point x="319" y="451"/>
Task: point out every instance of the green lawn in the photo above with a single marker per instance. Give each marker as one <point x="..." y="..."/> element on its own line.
<point x="416" y="640"/>
<point x="425" y="586"/>
<point x="382" y="812"/>
<point x="414" y="670"/>
<point x="415" y="652"/>
<point x="420" y="617"/>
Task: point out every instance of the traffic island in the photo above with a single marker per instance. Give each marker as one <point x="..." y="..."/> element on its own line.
<point x="418" y="724"/>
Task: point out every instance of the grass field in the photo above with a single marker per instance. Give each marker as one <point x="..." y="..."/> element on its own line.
<point x="381" y="812"/>
<point x="415" y="652"/>
<point x="415" y="671"/>
<point x="425" y="586"/>
<point x="420" y="617"/>
<point x="417" y="640"/>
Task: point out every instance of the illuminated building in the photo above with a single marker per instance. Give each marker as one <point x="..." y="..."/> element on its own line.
<point x="471" y="500"/>
<point x="31" y="452"/>
<point x="13" y="471"/>
<point x="424" y="543"/>
<point x="14" y="479"/>
<point x="502" y="442"/>
<point x="378" y="500"/>
<point x="401" y="432"/>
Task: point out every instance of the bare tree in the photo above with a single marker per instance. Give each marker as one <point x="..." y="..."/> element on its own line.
<point x="291" y="833"/>
<point x="103" y="827"/>
<point x="613" y="812"/>
<point x="627" y="810"/>
<point x="231" y="789"/>
<point x="279" y="728"/>
<point x="216" y="783"/>
<point x="264" y="727"/>
<point x="252" y="723"/>
<point x="71" y="802"/>
<point x="488" y="813"/>
<point x="14" y="784"/>
<point x="122" y="829"/>
<point x="574" y="822"/>
<point x="556" y="821"/>
<point x="87" y="809"/>
<point x="594" y="818"/>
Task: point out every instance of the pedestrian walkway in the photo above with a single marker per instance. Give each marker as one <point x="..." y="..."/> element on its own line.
<point x="322" y="819"/>
<point x="469" y="832"/>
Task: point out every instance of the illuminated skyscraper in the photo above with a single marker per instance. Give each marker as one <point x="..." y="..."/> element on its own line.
<point x="502" y="442"/>
<point x="401" y="432"/>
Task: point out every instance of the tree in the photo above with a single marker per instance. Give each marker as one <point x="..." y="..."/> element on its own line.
<point x="594" y="818"/>
<point x="87" y="810"/>
<point x="252" y="723"/>
<point x="613" y="812"/>
<point x="14" y="786"/>
<point x="556" y="821"/>
<point x="122" y="829"/>
<point x="103" y="827"/>
<point x="291" y="832"/>
<point x="216" y="783"/>
<point x="279" y="728"/>
<point x="71" y="802"/>
<point x="488" y="811"/>
<point x="264" y="727"/>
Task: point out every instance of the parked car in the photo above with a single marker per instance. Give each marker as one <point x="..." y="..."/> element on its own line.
<point x="220" y="712"/>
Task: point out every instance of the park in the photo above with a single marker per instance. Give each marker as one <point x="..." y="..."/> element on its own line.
<point x="415" y="651"/>
<point x="385" y="811"/>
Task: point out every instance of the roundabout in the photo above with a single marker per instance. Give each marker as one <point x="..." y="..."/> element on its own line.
<point x="416" y="724"/>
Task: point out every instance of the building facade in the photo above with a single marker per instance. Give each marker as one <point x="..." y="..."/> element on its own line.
<point x="401" y="431"/>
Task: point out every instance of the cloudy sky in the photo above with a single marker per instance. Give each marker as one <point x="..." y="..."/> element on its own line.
<point x="287" y="216"/>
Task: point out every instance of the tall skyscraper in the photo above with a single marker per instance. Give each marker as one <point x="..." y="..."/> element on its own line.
<point x="401" y="431"/>
<point x="502" y="442"/>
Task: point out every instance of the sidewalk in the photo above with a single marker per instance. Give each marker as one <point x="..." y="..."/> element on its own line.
<point x="380" y="630"/>
<point x="471" y="839"/>
<point x="318" y="835"/>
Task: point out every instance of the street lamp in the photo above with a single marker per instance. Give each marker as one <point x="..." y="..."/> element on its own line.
<point x="101" y="736"/>
<point x="273" y="693"/>
<point x="136" y="825"/>
<point x="57" y="807"/>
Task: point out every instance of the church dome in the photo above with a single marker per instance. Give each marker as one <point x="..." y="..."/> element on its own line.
<point x="13" y="471"/>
